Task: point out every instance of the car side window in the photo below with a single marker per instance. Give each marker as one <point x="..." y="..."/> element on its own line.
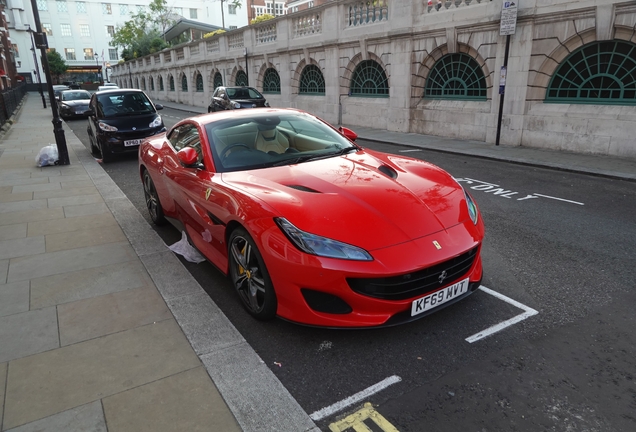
<point x="173" y="137"/>
<point x="189" y="137"/>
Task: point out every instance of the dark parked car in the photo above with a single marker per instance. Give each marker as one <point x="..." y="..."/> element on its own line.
<point x="228" y="98"/>
<point x="73" y="103"/>
<point x="59" y="88"/>
<point x="119" y="120"/>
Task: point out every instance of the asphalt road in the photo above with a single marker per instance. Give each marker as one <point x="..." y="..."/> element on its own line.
<point x="558" y="243"/>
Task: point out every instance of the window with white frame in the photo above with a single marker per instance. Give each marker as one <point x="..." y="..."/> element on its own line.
<point x="112" y="53"/>
<point x="42" y="5"/>
<point x="259" y="10"/>
<point x="231" y="9"/>
<point x="80" y="7"/>
<point x="269" y="6"/>
<point x="88" y="54"/>
<point x="65" y="29"/>
<point x="61" y="5"/>
<point x="84" y="30"/>
<point x="279" y="8"/>
<point x="16" y="52"/>
<point x="70" y="53"/>
<point x="107" y="9"/>
<point x="123" y="9"/>
<point x="193" y="13"/>
<point x="110" y="30"/>
<point x="46" y="27"/>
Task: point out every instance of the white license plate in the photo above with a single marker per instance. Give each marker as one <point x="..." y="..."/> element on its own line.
<point x="439" y="297"/>
<point x="131" y="143"/>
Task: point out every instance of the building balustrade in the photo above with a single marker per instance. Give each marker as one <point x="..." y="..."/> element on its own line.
<point x="443" y="5"/>
<point x="306" y="25"/>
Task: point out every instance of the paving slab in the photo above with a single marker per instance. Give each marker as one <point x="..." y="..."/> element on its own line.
<point x="89" y="418"/>
<point x="87" y="190"/>
<point x="30" y="216"/>
<point x="75" y="200"/>
<point x="28" y="333"/>
<point x="90" y="318"/>
<point x="14" y="298"/>
<point x="16" y="206"/>
<point x="88" y="371"/>
<point x="187" y="401"/>
<point x="87" y="283"/>
<point x="85" y="210"/>
<point x="170" y="276"/>
<point x="11" y="197"/>
<point x="3" y="385"/>
<point x="4" y="270"/>
<point x="84" y="238"/>
<point x="36" y="187"/>
<point x="69" y="224"/>
<point x="9" y="232"/>
<point x="25" y="181"/>
<point x="21" y="247"/>
<point x="52" y="263"/>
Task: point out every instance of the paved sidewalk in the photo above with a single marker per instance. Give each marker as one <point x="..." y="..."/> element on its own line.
<point x="101" y="326"/>
<point x="606" y="166"/>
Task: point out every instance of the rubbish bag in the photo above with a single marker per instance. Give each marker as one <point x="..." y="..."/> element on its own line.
<point x="183" y="247"/>
<point x="47" y="156"/>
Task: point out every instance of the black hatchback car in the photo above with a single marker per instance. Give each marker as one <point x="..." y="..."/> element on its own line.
<point x="119" y="120"/>
<point x="73" y="103"/>
<point x="228" y="98"/>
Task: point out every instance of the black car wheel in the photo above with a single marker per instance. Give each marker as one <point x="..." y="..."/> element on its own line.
<point x="152" y="201"/>
<point x="106" y="155"/>
<point x="250" y="277"/>
<point x="94" y="149"/>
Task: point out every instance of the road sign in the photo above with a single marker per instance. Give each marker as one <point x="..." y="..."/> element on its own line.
<point x="508" y="17"/>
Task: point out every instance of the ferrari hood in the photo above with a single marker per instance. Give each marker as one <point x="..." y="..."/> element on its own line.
<point x="367" y="199"/>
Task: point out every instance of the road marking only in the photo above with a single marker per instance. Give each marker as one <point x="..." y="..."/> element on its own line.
<point x="356" y="421"/>
<point x="528" y="312"/>
<point x="339" y="406"/>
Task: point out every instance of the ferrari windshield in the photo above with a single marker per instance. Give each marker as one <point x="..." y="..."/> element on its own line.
<point x="265" y="140"/>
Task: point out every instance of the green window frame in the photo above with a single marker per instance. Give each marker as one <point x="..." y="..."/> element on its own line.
<point x="152" y="84"/>
<point x="312" y="82"/>
<point x="160" y="83"/>
<point x="599" y="73"/>
<point x="184" y="83"/>
<point x="143" y="83"/>
<point x="241" y="78"/>
<point x="456" y="76"/>
<point x="369" y="80"/>
<point x="171" y="83"/>
<point x="218" y="80"/>
<point x="199" y="82"/>
<point x="271" y="81"/>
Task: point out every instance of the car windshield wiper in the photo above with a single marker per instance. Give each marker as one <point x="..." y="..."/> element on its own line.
<point x="306" y="158"/>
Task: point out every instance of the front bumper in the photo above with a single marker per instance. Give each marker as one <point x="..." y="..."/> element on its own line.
<point x="114" y="142"/>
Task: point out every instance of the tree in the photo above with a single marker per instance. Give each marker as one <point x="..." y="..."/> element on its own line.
<point x="57" y="65"/>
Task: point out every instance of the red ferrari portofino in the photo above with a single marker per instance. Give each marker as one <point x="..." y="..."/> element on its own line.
<point x="308" y="225"/>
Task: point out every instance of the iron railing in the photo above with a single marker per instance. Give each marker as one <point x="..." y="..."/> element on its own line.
<point x="9" y="101"/>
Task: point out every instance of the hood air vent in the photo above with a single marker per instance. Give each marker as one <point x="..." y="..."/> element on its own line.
<point x="303" y="188"/>
<point x="388" y="171"/>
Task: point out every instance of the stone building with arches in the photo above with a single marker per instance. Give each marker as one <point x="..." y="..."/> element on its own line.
<point x="428" y="67"/>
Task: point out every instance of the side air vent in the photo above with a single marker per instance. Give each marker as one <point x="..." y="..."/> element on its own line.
<point x="303" y="188"/>
<point x="387" y="171"/>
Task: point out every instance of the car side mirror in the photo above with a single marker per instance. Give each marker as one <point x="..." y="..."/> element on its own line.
<point x="188" y="157"/>
<point x="348" y="133"/>
<point x="158" y="107"/>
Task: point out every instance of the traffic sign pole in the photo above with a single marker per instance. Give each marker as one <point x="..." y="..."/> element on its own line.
<point x="508" y="26"/>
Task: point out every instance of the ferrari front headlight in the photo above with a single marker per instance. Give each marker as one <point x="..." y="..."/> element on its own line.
<point x="472" y="208"/>
<point x="321" y="246"/>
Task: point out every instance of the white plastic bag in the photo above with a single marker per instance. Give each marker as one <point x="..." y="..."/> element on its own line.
<point x="183" y="247"/>
<point x="47" y="156"/>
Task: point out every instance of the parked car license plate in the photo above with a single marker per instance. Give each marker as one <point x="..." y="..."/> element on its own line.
<point x="130" y="143"/>
<point x="438" y="298"/>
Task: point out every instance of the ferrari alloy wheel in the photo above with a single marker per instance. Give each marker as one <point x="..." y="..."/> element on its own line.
<point x="152" y="201"/>
<point x="250" y="277"/>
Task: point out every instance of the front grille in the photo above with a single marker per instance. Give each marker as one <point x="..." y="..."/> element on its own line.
<point x="417" y="283"/>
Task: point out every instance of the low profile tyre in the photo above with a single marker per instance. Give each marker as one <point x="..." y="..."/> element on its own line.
<point x="250" y="277"/>
<point x="152" y="201"/>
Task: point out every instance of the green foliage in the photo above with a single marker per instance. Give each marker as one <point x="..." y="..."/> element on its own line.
<point x="264" y="17"/>
<point x="141" y="35"/>
<point x="214" y="33"/>
<point x="57" y="65"/>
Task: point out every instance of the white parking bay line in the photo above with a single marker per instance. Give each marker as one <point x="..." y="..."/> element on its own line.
<point x="409" y="151"/>
<point x="559" y="199"/>
<point x="338" y="406"/>
<point x="528" y="312"/>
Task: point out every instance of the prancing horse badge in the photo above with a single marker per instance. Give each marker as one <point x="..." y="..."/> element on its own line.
<point x="437" y="245"/>
<point x="207" y="194"/>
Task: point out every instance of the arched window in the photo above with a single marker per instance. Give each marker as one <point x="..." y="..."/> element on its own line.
<point x="369" y="79"/>
<point x="241" y="78"/>
<point x="136" y="82"/>
<point x="143" y="83"/>
<point x="160" y="83"/>
<point x="271" y="81"/>
<point x="199" y="82"/>
<point x="597" y="73"/>
<point x="171" y="83"/>
<point x="456" y="76"/>
<point x="218" y="80"/>
<point x="152" y="84"/>
<point x="311" y="81"/>
<point x="184" y="83"/>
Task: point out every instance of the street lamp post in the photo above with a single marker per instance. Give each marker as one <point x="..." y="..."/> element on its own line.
<point x="37" y="68"/>
<point x="40" y="38"/>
